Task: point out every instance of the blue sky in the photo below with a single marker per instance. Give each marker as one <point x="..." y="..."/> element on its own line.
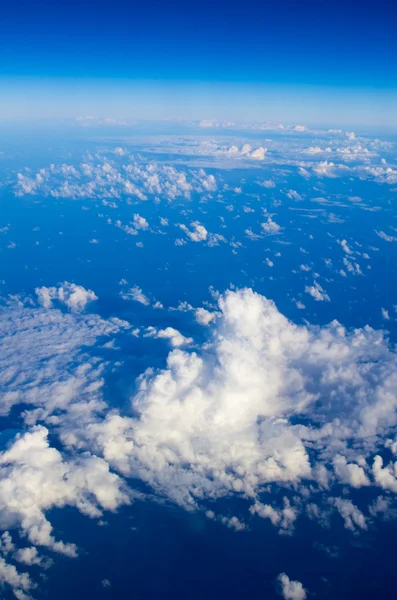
<point x="198" y="311"/>
<point x="278" y="60"/>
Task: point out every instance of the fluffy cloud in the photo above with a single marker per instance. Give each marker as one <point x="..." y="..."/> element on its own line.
<point x="222" y="420"/>
<point x="211" y="148"/>
<point x="135" y="293"/>
<point x="270" y="226"/>
<point x="174" y="336"/>
<point x="204" y="317"/>
<point x="20" y="583"/>
<point x="197" y="233"/>
<point x="35" y="478"/>
<point x="42" y="363"/>
<point x="75" y="297"/>
<point x="291" y="590"/>
<point x="265" y="409"/>
<point x="106" y="179"/>
<point x="317" y="292"/>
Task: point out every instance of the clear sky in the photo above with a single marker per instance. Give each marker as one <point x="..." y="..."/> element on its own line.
<point x="282" y="60"/>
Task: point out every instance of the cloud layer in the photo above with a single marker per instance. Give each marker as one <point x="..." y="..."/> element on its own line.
<point x="278" y="414"/>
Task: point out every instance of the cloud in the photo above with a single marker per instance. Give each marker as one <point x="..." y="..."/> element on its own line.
<point x="291" y="590"/>
<point x="35" y="478"/>
<point x="317" y="292"/>
<point x="140" y="222"/>
<point x="197" y="147"/>
<point x="267" y="183"/>
<point x="112" y="179"/>
<point x="175" y="338"/>
<point x="345" y="246"/>
<point x="204" y="317"/>
<point x="284" y="518"/>
<point x="270" y="226"/>
<point x="42" y="363"/>
<point x="28" y="556"/>
<point x="135" y="293"/>
<point x="386" y="237"/>
<point x="264" y="409"/>
<point x="221" y="420"/>
<point x="198" y="232"/>
<point x="75" y="297"/>
<point x="352" y="516"/>
<point x="349" y="473"/>
<point x="20" y="583"/>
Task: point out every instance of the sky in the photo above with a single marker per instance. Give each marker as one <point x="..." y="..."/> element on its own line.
<point x="198" y="309"/>
<point x="271" y="60"/>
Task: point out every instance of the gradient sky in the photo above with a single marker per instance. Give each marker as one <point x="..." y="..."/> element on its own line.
<point x="318" y="61"/>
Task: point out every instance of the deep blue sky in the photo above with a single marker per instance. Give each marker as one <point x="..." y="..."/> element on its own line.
<point x="341" y="45"/>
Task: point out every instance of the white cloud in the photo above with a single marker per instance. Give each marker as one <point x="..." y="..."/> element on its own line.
<point x="107" y="179"/>
<point x="385" y="314"/>
<point x="317" y="292"/>
<point x="386" y="237"/>
<point x="267" y="183"/>
<point x="216" y="421"/>
<point x="345" y="246"/>
<point x="75" y="297"/>
<point x="197" y="233"/>
<point x="20" y="583"/>
<point x="352" y="516"/>
<point x="259" y="153"/>
<point x="291" y="590"/>
<point x="270" y="226"/>
<point x="350" y="473"/>
<point x="135" y="293"/>
<point x="174" y="336"/>
<point x="35" y="478"/>
<point x="203" y="316"/>
<point x="283" y="518"/>
<point x="140" y="222"/>
<point x="385" y="477"/>
<point x="41" y="362"/>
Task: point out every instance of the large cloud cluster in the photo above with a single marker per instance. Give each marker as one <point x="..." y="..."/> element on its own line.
<point x="263" y="402"/>
<point x="279" y="414"/>
<point x="105" y="178"/>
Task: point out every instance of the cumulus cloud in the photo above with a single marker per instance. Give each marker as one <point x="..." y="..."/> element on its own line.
<point x="174" y="336"/>
<point x="352" y="516"/>
<point x="35" y="478"/>
<point x="317" y="292"/>
<point x="135" y="293"/>
<point x="197" y="233"/>
<point x="20" y="583"/>
<point x="75" y="297"/>
<point x="221" y="420"/>
<point x="103" y="178"/>
<point x="289" y="589"/>
<point x="264" y="409"/>
<point x="267" y="183"/>
<point x="211" y="148"/>
<point x="270" y="226"/>
<point x="204" y="317"/>
<point x="140" y="222"/>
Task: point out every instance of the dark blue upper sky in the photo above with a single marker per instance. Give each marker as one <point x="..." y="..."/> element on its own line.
<point x="342" y="45"/>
